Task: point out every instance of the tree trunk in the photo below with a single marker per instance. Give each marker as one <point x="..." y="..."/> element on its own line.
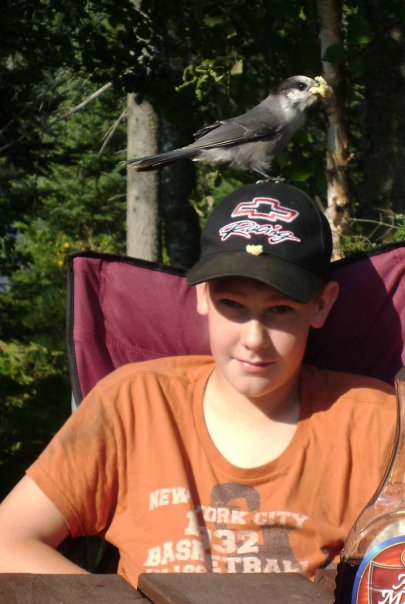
<point x="142" y="187"/>
<point x="181" y="226"/>
<point x="338" y="213"/>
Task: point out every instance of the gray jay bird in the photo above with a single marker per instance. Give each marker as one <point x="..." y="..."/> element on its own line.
<point x="251" y="140"/>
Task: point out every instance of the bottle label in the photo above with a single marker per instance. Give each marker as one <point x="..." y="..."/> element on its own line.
<point x="380" y="578"/>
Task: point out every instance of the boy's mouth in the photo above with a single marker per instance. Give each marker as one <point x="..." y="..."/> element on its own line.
<point x="255" y="365"/>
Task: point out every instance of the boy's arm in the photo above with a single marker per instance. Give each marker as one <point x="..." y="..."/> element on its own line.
<point x="31" y="526"/>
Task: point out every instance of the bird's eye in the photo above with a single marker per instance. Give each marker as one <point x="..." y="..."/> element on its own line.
<point x="301" y="86"/>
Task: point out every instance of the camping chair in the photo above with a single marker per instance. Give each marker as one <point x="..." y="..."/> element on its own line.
<point x="122" y="309"/>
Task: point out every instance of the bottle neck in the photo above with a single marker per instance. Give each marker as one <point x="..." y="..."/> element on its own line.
<point x="396" y="469"/>
<point x="394" y="479"/>
<point x="384" y="515"/>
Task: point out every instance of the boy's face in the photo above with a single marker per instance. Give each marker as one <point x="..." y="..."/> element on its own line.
<point x="258" y="335"/>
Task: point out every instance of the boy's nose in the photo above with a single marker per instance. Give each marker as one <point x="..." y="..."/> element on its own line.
<point x="255" y="335"/>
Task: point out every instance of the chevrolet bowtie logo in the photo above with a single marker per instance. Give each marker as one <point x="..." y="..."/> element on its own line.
<point x="265" y="208"/>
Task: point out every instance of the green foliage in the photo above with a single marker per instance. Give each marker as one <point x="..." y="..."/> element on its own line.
<point x="368" y="233"/>
<point x="57" y="193"/>
<point x="24" y="364"/>
<point x="400" y="230"/>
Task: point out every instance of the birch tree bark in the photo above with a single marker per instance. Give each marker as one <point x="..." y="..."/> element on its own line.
<point x="338" y="210"/>
<point x="142" y="187"/>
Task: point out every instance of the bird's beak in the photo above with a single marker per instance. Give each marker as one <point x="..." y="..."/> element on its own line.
<point x="322" y="88"/>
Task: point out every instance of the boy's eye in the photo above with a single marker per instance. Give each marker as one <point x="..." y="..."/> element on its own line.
<point x="280" y="309"/>
<point x="230" y="303"/>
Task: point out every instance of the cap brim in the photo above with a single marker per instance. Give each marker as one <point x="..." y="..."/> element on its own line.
<point x="292" y="280"/>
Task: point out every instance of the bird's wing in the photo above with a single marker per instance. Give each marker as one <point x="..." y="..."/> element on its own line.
<point x="206" y="129"/>
<point x="234" y="131"/>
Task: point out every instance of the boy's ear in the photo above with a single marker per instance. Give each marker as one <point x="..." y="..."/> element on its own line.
<point x="202" y="298"/>
<point x="324" y="301"/>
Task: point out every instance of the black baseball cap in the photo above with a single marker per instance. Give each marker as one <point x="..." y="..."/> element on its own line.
<point x="271" y="232"/>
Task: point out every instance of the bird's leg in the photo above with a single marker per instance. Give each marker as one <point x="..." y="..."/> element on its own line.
<point x="267" y="177"/>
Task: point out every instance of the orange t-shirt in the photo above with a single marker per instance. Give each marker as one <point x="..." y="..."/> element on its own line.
<point x="136" y="464"/>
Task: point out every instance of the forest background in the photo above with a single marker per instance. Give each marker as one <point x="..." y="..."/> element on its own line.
<point x="73" y="76"/>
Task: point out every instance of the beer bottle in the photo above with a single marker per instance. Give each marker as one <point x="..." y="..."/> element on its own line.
<point x="372" y="563"/>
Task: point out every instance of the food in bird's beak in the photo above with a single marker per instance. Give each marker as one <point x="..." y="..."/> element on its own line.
<point x="323" y="88"/>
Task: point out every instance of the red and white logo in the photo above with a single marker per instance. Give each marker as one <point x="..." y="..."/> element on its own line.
<point x="380" y="579"/>
<point x="261" y="209"/>
<point x="265" y="208"/>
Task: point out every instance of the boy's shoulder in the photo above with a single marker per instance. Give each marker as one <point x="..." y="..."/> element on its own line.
<point x="187" y="367"/>
<point x="332" y="386"/>
<point x="349" y="408"/>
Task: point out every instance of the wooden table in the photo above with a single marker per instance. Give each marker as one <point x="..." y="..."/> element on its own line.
<point x="286" y="588"/>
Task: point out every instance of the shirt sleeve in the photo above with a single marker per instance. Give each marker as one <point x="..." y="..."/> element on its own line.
<point x="78" y="470"/>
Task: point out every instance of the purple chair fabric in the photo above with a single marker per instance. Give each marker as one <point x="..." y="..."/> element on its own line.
<point x="122" y="309"/>
<point x="365" y="332"/>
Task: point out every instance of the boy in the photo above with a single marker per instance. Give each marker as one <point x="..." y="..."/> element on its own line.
<point x="244" y="462"/>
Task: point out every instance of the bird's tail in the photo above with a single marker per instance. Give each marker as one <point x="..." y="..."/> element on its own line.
<point x="153" y="162"/>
